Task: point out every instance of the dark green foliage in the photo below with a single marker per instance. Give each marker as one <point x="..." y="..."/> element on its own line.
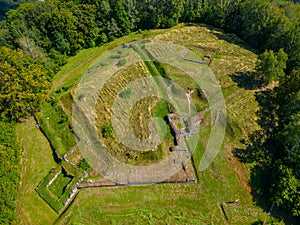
<point x="126" y="93"/>
<point x="290" y="84"/>
<point x="47" y="32"/>
<point x="84" y="165"/>
<point x="57" y="58"/>
<point x="158" y="154"/>
<point x="107" y="131"/>
<point x="24" y="83"/>
<point x="271" y="66"/>
<point x="285" y="191"/>
<point x="68" y="26"/>
<point x="122" y="18"/>
<point x="275" y="149"/>
<point x="6" y="5"/>
<point x="267" y="25"/>
<point x="122" y="62"/>
<point x="9" y="172"/>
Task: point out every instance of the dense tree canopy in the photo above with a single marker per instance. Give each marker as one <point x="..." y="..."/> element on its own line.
<point x="285" y="185"/>
<point x="36" y="39"/>
<point x="23" y="84"/>
<point x="6" y="5"/>
<point x="9" y="172"/>
<point x="271" y="66"/>
<point x="68" y="26"/>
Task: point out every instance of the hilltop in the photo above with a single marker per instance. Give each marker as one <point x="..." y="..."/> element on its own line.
<point x="202" y="202"/>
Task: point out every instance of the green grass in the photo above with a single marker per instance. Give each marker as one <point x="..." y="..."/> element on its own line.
<point x="47" y="195"/>
<point x="139" y="118"/>
<point x="57" y="187"/>
<point x="171" y="204"/>
<point x="57" y="193"/>
<point x="56" y="124"/>
<point x="37" y="160"/>
<point x="78" y="65"/>
<point x="161" y="109"/>
<point x="186" y="83"/>
<point x="225" y="180"/>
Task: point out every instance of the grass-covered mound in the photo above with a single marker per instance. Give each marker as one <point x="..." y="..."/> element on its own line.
<point x="224" y="181"/>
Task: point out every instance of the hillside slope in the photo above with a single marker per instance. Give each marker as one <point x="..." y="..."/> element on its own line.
<point x="200" y="203"/>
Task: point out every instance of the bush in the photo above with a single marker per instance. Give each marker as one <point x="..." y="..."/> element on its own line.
<point x="126" y="93"/>
<point x="107" y="131"/>
<point x="122" y="62"/>
<point x="84" y="165"/>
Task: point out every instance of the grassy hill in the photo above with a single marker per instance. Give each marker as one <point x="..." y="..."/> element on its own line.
<point x="204" y="202"/>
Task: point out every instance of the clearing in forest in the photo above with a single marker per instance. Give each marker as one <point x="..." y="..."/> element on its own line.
<point x="194" y="203"/>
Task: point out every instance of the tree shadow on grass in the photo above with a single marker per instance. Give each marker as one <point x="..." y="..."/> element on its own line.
<point x="260" y="150"/>
<point x="234" y="39"/>
<point x="258" y="156"/>
<point x="228" y="37"/>
<point x="244" y="80"/>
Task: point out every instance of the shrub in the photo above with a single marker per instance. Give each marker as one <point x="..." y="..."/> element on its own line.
<point x="107" y="131"/>
<point x="121" y="62"/>
<point x="126" y="93"/>
<point x="84" y="165"/>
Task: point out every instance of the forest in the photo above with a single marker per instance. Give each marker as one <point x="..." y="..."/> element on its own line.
<point x="6" y="5"/>
<point x="37" y="38"/>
